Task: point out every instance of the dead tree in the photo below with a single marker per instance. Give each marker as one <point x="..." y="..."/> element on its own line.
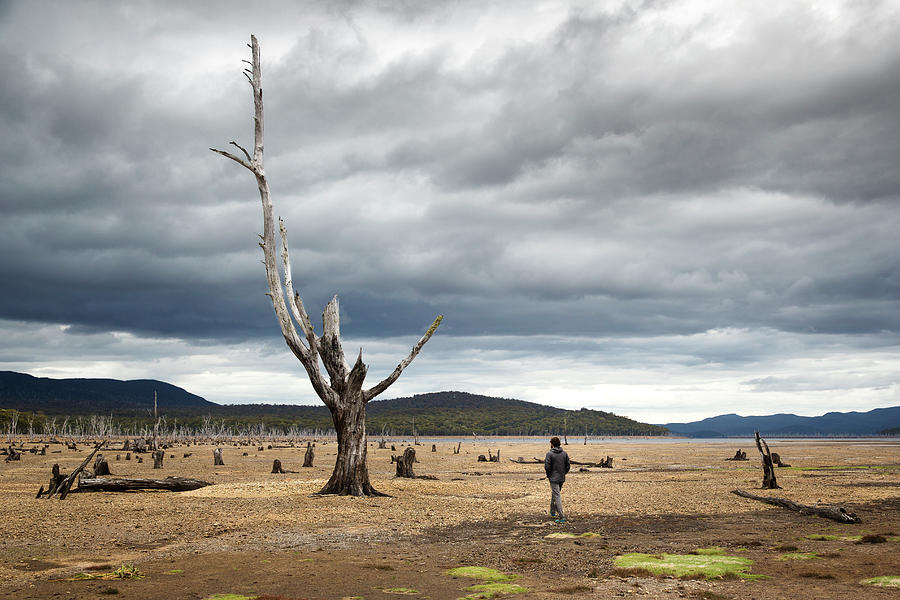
<point x="158" y="457"/>
<point x="343" y="394"/>
<point x="405" y="463"/>
<point x="101" y="467"/>
<point x="64" y="483"/>
<point x="276" y="467"/>
<point x="382" y="444"/>
<point x="769" y="482"/>
<point x="172" y="484"/>
<point x="739" y="455"/>
<point x="434" y="447"/>
<point x="839" y="513"/>
<point x="13" y="454"/>
<point x="607" y="463"/>
<point x="458" y="446"/>
<point x="310" y="455"/>
<point x="217" y="458"/>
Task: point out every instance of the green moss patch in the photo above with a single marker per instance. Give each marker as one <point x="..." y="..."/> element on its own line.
<point x="485" y="591"/>
<point x="686" y="566"/>
<point x="798" y="556"/>
<point x="484" y="573"/>
<point x="891" y="581"/>
<point x="571" y="536"/>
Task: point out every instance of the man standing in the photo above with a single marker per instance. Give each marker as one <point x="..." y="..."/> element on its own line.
<point x="556" y="465"/>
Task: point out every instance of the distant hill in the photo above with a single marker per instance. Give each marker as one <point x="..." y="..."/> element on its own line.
<point x="874" y="422"/>
<point x="439" y="413"/>
<point x="71" y="397"/>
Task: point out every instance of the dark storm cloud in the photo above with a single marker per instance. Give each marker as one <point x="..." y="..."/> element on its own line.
<point x="617" y="174"/>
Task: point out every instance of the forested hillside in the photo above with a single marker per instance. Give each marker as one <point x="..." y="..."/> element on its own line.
<point x="33" y="401"/>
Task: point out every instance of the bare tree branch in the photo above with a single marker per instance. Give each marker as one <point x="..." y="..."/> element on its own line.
<point x="386" y="383"/>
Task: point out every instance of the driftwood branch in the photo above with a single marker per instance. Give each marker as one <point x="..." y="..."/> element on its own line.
<point x="66" y="484"/>
<point x="120" y="484"/>
<point x="834" y="513"/>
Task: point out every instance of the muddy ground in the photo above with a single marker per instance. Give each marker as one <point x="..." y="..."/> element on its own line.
<point x="255" y="533"/>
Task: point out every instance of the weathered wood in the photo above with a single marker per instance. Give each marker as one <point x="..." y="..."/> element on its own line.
<point x="101" y="467"/>
<point x="65" y="483"/>
<point x="769" y="482"/>
<point x="458" y="446"/>
<point x="310" y="455"/>
<point x="158" y="457"/>
<point x="382" y="444"/>
<point x="405" y="463"/>
<point x="276" y="466"/>
<point x="13" y="454"/>
<point x="217" y="458"/>
<point x="343" y="393"/>
<point x="122" y="484"/>
<point x="434" y="447"/>
<point x="839" y="513"/>
<point x="522" y="461"/>
<point x="739" y="455"/>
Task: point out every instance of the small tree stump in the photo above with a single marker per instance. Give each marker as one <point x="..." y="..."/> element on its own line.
<point x="101" y="467"/>
<point x="405" y="463"/>
<point x="382" y="444"/>
<point x="310" y="455"/>
<point x="434" y="447"/>
<point x="158" y="457"/>
<point x="458" y="446"/>
<point x="482" y="458"/>
<point x="607" y="463"/>
<point x="13" y="454"/>
<point x="217" y="458"/>
<point x="276" y="467"/>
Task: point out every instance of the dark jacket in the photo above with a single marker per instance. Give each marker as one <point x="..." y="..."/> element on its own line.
<point x="556" y="465"/>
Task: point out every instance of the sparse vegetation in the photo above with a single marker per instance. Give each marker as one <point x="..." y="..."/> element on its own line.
<point x="688" y="566"/>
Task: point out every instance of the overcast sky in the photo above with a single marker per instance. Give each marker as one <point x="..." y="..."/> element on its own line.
<point x="667" y="210"/>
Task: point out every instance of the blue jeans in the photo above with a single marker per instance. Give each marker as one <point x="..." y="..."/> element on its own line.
<point x="556" y="508"/>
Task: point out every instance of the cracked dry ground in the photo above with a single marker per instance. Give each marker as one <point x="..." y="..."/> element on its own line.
<point x="255" y="533"/>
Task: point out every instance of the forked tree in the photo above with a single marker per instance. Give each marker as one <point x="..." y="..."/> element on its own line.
<point x="343" y="393"/>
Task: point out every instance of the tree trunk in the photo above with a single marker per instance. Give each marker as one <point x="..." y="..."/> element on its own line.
<point x="158" y="459"/>
<point x="310" y="455"/>
<point x="350" y="476"/>
<point x="405" y="463"/>
<point x="217" y="457"/>
<point x="769" y="482"/>
<point x="276" y="467"/>
<point x="835" y="514"/>
<point x="172" y="484"/>
<point x="101" y="467"/>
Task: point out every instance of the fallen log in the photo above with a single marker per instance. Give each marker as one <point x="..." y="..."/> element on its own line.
<point x="834" y="513"/>
<point x="120" y="484"/>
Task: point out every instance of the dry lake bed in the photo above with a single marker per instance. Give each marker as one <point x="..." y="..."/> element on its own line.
<point x="257" y="534"/>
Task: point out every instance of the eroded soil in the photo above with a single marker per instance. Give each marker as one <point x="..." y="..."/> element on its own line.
<point x="255" y="533"/>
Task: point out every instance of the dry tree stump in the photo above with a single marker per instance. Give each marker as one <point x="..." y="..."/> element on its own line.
<point x="13" y="454"/>
<point x="276" y="467"/>
<point x="217" y="458"/>
<point x="310" y="455"/>
<point x="158" y="457"/>
<point x="405" y="463"/>
<point x="768" y="464"/>
<point x="607" y="463"/>
<point x="434" y="447"/>
<point x="101" y="467"/>
<point x="382" y="445"/>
